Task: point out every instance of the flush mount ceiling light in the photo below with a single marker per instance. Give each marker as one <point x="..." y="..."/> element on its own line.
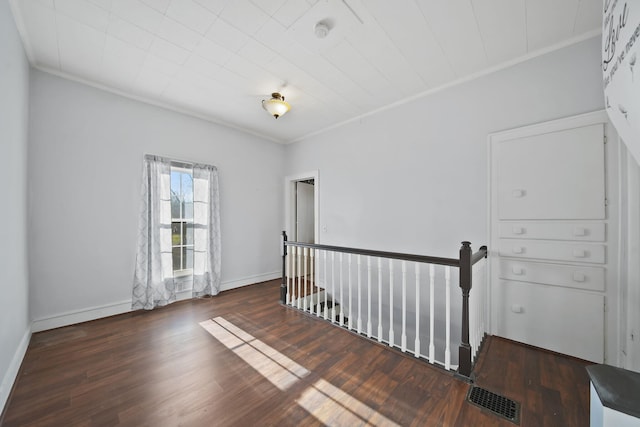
<point x="276" y="106"/>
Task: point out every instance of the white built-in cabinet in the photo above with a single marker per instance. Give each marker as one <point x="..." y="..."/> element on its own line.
<point x="553" y="225"/>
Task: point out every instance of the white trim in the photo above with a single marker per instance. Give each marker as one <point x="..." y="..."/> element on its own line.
<point x="250" y="280"/>
<point x="93" y="313"/>
<point x="157" y="103"/>
<point x="571" y="122"/>
<point x="79" y="316"/>
<point x="575" y="40"/>
<point x="14" y="368"/>
<point x="630" y="349"/>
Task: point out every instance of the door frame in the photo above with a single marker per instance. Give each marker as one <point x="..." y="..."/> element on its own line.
<point x="290" y="205"/>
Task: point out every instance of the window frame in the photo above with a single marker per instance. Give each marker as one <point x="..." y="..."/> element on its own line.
<point x="181" y="168"/>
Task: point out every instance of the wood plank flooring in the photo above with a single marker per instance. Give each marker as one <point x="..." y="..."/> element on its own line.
<point x="260" y="363"/>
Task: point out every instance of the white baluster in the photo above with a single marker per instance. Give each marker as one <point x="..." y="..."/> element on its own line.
<point x="333" y="287"/>
<point x="290" y="275"/>
<point x="369" y="297"/>
<point x="293" y="275"/>
<point x="403" y="338"/>
<point x="299" y="279"/>
<point x="341" y="297"/>
<point x="326" y="284"/>
<point x="305" y="260"/>
<point x="359" y="296"/>
<point x="432" y="281"/>
<point x="447" y="350"/>
<point x="350" y="316"/>
<point x="391" y="334"/>
<point x="312" y="265"/>
<point x="416" y="346"/>
<point x="379" y="299"/>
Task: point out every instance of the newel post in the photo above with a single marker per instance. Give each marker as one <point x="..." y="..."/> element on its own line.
<point x="464" y="354"/>
<point x="283" y="286"/>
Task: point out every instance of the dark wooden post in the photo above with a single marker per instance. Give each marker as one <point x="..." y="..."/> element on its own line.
<point x="283" y="286"/>
<point x="464" y="353"/>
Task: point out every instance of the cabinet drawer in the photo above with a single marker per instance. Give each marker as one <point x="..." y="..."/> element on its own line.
<point x="568" y="321"/>
<point x="578" y="231"/>
<point x="557" y="251"/>
<point x="579" y="277"/>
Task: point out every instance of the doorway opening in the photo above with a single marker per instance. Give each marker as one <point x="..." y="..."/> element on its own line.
<point x="304" y="211"/>
<point x="301" y="207"/>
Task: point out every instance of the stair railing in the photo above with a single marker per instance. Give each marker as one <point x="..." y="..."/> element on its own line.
<point x="320" y="280"/>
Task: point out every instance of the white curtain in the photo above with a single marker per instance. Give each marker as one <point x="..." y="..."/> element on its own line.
<point x="206" y="231"/>
<point x="153" y="283"/>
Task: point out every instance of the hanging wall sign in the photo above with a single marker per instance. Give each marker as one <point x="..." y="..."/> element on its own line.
<point x="620" y="69"/>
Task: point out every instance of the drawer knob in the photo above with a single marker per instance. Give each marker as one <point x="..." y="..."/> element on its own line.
<point x="518" y="193"/>
<point x="579" y="253"/>
<point x="579" y="231"/>
<point x="518" y="271"/>
<point x="518" y="230"/>
<point x="518" y="250"/>
<point x="516" y="308"/>
<point x="578" y="276"/>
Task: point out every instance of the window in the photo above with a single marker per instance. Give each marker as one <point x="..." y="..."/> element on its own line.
<point x="182" y="220"/>
<point x="178" y="246"/>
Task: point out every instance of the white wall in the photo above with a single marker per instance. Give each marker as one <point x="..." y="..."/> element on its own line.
<point x="85" y="159"/>
<point x="414" y="178"/>
<point x="14" y="290"/>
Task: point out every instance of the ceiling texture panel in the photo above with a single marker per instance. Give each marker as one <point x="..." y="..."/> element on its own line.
<point x="218" y="59"/>
<point x="550" y="20"/>
<point x="503" y="28"/>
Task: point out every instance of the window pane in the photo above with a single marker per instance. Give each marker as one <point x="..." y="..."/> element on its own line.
<point x="188" y="234"/>
<point x="187" y="195"/>
<point x="175" y="233"/>
<point x="175" y="205"/>
<point x="188" y="259"/>
<point x="176" y="258"/>
<point x="188" y="209"/>
<point x="187" y="187"/>
<point x="175" y="194"/>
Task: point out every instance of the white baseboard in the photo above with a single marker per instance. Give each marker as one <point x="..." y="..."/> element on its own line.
<point x="14" y="367"/>
<point x="93" y="313"/>
<point x="79" y="316"/>
<point x="250" y="280"/>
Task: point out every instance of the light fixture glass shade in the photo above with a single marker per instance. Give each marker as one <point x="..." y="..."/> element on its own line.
<point x="276" y="106"/>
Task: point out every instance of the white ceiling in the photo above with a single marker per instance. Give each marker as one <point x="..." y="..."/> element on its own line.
<point x="218" y="59"/>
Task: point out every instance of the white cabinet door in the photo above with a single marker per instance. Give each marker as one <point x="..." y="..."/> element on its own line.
<point x="568" y="321"/>
<point x="557" y="175"/>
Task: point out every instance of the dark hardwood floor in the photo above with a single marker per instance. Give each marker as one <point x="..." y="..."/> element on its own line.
<point x="258" y="363"/>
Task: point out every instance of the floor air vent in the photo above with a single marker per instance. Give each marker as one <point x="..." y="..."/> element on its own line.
<point x="499" y="405"/>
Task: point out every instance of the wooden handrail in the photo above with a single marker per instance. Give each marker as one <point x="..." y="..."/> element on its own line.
<point x="381" y="254"/>
<point x="482" y="253"/>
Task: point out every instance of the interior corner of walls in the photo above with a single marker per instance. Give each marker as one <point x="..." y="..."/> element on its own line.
<point x="249" y="280"/>
<point x="79" y="316"/>
<point x="11" y="374"/>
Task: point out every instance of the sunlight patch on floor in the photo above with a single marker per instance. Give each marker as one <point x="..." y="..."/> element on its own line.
<point x="333" y="407"/>
<point x="281" y="371"/>
<point x="324" y="401"/>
